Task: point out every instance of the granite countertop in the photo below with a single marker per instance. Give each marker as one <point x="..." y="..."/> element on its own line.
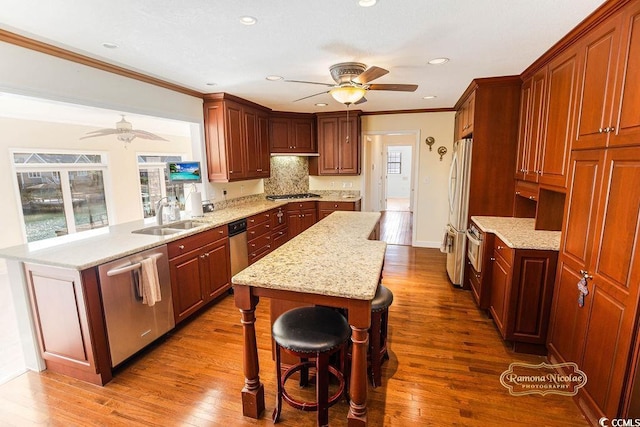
<point x="94" y="247"/>
<point x="519" y="233"/>
<point x="334" y="257"/>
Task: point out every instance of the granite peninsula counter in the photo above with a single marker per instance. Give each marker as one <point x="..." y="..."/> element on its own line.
<point x="519" y="233"/>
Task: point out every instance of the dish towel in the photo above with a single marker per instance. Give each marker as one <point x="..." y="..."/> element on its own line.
<point x="150" y="283"/>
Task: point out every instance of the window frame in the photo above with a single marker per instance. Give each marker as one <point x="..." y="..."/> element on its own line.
<point x="393" y="163"/>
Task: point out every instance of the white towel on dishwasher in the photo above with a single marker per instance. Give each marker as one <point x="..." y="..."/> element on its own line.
<point x="150" y="283"/>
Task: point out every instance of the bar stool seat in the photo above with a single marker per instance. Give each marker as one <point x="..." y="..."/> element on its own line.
<point x="310" y="333"/>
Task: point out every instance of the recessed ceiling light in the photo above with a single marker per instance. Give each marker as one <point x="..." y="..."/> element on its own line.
<point x="248" y="20"/>
<point x="274" y="78"/>
<point x="429" y="97"/>
<point x="321" y="104"/>
<point x="439" y="61"/>
<point x="110" y="45"/>
<point x="367" y="3"/>
<point x="211" y="84"/>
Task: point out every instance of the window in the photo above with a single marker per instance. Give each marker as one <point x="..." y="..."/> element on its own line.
<point x="154" y="182"/>
<point x="61" y="193"/>
<point x="394" y="162"/>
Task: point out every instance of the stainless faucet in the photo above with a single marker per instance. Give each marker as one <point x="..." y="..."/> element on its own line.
<point x="159" y="206"/>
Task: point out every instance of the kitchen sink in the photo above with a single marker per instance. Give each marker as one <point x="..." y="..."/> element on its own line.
<point x="170" y="228"/>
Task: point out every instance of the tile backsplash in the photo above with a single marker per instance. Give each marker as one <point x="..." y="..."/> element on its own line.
<point x="289" y="175"/>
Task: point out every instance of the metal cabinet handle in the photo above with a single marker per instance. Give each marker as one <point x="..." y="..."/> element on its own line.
<point x="532" y="197"/>
<point x="586" y="275"/>
<point x="500" y="247"/>
<point x="492" y="259"/>
<point x="181" y="247"/>
<point x="600" y="130"/>
<point x="517" y="193"/>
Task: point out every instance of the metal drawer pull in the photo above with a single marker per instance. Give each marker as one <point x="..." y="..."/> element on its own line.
<point x="130" y="267"/>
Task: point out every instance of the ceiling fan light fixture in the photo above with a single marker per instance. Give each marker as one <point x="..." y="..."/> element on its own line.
<point x="347" y="94"/>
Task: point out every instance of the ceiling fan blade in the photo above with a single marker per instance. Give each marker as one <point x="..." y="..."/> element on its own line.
<point x="370" y="74"/>
<point x="101" y="132"/>
<point x="147" y="135"/>
<point x="310" y="96"/>
<point x="312" y="83"/>
<point x="396" y="87"/>
<point x="361" y="101"/>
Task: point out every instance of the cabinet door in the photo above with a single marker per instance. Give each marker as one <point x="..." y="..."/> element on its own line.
<point x="524" y="134"/>
<point x="234" y="131"/>
<point x="469" y="112"/>
<point x="264" y="164"/>
<point x="328" y="136"/>
<point x="627" y="103"/>
<point x="536" y="131"/>
<point x="568" y="320"/>
<point x="556" y="149"/>
<point x="294" y="219"/>
<point x="614" y="289"/>
<point x="500" y="287"/>
<point x="186" y="275"/>
<point x="349" y="149"/>
<point x="302" y="134"/>
<point x="309" y="217"/>
<point x="252" y="141"/>
<point x="598" y="61"/>
<point x="217" y="269"/>
<point x="216" y="148"/>
<point x="279" y="138"/>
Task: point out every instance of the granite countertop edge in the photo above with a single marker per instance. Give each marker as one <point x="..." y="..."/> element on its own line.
<point x="89" y="249"/>
<point x="519" y="233"/>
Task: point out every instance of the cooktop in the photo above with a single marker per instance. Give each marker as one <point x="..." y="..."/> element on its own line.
<point x="292" y="196"/>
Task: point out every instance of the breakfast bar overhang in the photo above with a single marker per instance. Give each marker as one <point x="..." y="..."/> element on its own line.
<point x="334" y="263"/>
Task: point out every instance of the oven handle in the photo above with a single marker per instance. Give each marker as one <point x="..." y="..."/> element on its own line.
<point x="473" y="238"/>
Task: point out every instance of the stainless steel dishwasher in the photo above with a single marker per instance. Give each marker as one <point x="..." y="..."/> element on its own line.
<point x="132" y="325"/>
<point x="238" y="245"/>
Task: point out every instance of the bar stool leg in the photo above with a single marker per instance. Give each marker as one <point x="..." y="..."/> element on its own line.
<point x="376" y="375"/>
<point x="304" y="373"/>
<point x="322" y="388"/>
<point x="278" y="408"/>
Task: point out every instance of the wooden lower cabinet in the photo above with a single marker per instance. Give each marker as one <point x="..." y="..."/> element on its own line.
<point x="300" y="216"/>
<point x="69" y="323"/>
<point x="600" y="245"/>
<point x="200" y="270"/>
<point x="521" y="291"/>
<point x="326" y="208"/>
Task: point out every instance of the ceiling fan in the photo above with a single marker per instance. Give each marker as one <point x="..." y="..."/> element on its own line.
<point x="125" y="132"/>
<point x="353" y="81"/>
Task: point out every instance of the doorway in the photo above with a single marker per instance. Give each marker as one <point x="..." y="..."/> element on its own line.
<point x="389" y="182"/>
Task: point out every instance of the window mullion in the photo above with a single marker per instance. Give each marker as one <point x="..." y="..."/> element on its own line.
<point x="67" y="199"/>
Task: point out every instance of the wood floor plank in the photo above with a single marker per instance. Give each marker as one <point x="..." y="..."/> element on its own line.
<point x="446" y="358"/>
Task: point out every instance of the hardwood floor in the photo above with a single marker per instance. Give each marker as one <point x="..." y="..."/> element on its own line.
<point x="396" y="227"/>
<point x="445" y="361"/>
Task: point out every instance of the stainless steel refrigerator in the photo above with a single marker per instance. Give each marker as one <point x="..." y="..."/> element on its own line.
<point x="459" y="174"/>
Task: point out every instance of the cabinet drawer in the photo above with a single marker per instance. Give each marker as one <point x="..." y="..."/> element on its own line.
<point x="256" y="255"/>
<point x="503" y="250"/>
<point x="294" y="206"/>
<point x="259" y="243"/>
<point x="196" y="241"/>
<point x="527" y="190"/>
<point x="336" y="206"/>
<point x="279" y="237"/>
<point x="258" y="230"/>
<point x="260" y="218"/>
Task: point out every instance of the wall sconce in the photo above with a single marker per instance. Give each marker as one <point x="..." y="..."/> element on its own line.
<point x="430" y="141"/>
<point x="442" y="150"/>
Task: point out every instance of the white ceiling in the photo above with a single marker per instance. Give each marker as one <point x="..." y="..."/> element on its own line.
<point x="192" y="42"/>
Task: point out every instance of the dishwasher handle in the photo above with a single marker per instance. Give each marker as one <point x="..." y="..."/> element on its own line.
<point x="130" y="267"/>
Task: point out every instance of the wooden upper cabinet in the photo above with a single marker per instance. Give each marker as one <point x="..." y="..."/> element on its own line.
<point x="338" y="145"/>
<point x="598" y="53"/>
<point x="465" y="117"/>
<point x="524" y="134"/>
<point x="236" y="139"/>
<point x="292" y="133"/>
<point x="536" y="130"/>
<point x="626" y="118"/>
<point x="555" y="151"/>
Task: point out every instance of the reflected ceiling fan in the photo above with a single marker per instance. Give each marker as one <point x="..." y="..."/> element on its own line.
<point x="125" y="132"/>
<point x="353" y="80"/>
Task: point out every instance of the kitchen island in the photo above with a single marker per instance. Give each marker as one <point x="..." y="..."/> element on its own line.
<point x="333" y="264"/>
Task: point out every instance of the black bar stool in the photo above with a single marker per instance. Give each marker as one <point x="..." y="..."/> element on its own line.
<point x="378" y="332"/>
<point x="311" y="333"/>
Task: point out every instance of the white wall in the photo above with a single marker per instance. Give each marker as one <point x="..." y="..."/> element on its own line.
<point x="399" y="185"/>
<point x="430" y="198"/>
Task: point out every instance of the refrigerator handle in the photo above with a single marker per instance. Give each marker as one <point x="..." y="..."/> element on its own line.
<point x="452" y="179"/>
